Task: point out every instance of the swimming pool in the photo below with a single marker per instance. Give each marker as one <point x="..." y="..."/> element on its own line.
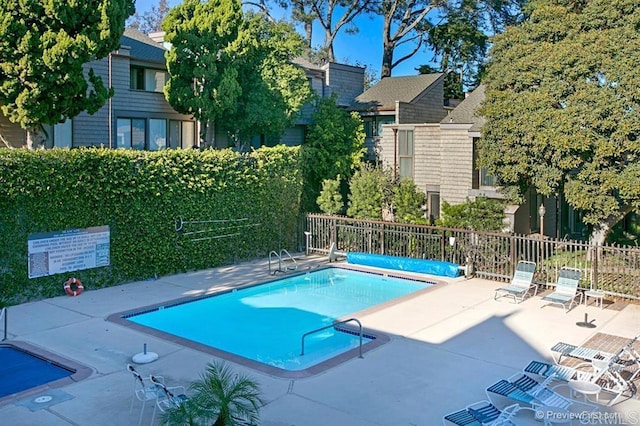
<point x="265" y="323"/>
<point x="26" y="370"/>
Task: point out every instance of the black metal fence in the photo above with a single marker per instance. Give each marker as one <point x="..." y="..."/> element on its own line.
<point x="611" y="268"/>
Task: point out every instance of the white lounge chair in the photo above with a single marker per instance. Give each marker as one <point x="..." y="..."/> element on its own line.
<point x="609" y="376"/>
<point x="144" y="390"/>
<point x="167" y="397"/>
<point x="566" y="291"/>
<point x="521" y="283"/>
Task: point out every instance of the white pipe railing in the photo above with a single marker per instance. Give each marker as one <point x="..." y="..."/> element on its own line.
<point x="3" y="315"/>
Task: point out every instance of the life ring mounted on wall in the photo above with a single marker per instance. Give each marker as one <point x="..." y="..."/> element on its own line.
<point x="73" y="287"/>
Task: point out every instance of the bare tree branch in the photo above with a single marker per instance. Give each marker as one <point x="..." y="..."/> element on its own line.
<point x="262" y="7"/>
<point x="408" y="55"/>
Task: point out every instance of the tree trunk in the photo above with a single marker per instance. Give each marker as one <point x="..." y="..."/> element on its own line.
<point x="601" y="230"/>
<point x="599" y="234"/>
<point x="207" y="134"/>
<point x="308" y="31"/>
<point x="36" y="137"/>
<point x="328" y="47"/>
<point x="387" y="60"/>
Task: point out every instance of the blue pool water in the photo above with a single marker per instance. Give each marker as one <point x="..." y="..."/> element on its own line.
<point x="21" y="370"/>
<point x="265" y="323"/>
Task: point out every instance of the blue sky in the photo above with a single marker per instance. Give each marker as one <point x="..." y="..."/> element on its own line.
<point x="365" y="47"/>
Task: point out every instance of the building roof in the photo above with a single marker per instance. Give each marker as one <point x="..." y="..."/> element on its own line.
<point x="142" y="47"/>
<point x="305" y="63"/>
<point x="465" y="113"/>
<point x="390" y="90"/>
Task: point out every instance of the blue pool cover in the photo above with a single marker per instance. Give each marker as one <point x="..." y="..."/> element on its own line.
<point x="407" y="264"/>
<point x="20" y="371"/>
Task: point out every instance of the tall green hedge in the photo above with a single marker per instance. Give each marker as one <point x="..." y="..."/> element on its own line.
<point x="140" y="196"/>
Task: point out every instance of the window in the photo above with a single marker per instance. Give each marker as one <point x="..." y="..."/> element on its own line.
<point x="157" y="134"/>
<point x="575" y="223"/>
<point x="181" y="134"/>
<point x="433" y="206"/>
<point x="62" y="134"/>
<point x="154" y="133"/>
<point x="368" y="127"/>
<point x="405" y="153"/>
<point x="486" y="179"/>
<point x="147" y="79"/>
<point x="481" y="178"/>
<point x="131" y="133"/>
<point x="380" y="121"/>
<point x="154" y="80"/>
<point x="137" y="78"/>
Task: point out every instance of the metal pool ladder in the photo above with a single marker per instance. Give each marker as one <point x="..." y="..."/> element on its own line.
<point x="282" y="262"/>
<point x="3" y="314"/>
<point x="333" y="325"/>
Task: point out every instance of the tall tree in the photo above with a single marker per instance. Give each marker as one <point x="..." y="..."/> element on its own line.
<point x="456" y="31"/>
<point x="151" y="20"/>
<point x="562" y="107"/>
<point x="333" y="16"/>
<point x="404" y="22"/>
<point x="460" y="42"/>
<point x="234" y="70"/>
<point x="325" y="11"/>
<point x="301" y="12"/>
<point x="43" y="47"/>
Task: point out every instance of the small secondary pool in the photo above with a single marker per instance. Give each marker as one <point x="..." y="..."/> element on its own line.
<point x="265" y="323"/>
<point x="25" y="369"/>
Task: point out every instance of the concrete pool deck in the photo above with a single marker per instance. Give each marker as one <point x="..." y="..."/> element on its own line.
<point x="445" y="348"/>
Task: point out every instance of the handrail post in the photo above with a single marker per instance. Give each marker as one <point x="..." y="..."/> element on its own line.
<point x="279" y="262"/>
<point x="3" y="313"/>
<point x="333" y="325"/>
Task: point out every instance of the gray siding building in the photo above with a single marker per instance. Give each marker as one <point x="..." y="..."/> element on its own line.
<point x="136" y="117"/>
<point x="399" y="100"/>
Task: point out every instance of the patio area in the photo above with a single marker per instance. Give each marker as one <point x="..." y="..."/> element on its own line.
<point x="446" y="347"/>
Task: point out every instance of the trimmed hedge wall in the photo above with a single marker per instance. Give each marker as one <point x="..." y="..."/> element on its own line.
<point x="140" y="195"/>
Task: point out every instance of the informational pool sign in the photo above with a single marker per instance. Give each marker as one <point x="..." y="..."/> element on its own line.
<point x="66" y="251"/>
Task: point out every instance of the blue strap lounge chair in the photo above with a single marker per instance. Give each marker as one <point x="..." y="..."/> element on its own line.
<point x="521" y="283"/>
<point x="559" y="372"/>
<point x="545" y="396"/>
<point x="482" y="413"/>
<point x="508" y="390"/>
<point x="524" y="389"/>
<point x="562" y="349"/>
<point x="566" y="291"/>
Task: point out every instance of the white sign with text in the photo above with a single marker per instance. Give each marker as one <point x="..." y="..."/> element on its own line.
<point x="66" y="251"/>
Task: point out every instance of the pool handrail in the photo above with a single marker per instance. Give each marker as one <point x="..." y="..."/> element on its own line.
<point x="333" y="325"/>
<point x="3" y="314"/>
<point x="280" y="261"/>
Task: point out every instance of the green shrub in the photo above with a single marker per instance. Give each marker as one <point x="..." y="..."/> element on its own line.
<point x="140" y="195"/>
<point x="407" y="203"/>
<point x="330" y="199"/>
<point x="483" y="214"/>
<point x="221" y="397"/>
<point x="368" y="188"/>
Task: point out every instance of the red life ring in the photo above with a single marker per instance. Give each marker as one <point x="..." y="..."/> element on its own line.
<point x="77" y="291"/>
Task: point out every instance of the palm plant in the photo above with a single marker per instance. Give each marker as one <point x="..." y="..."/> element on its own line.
<point x="220" y="396"/>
